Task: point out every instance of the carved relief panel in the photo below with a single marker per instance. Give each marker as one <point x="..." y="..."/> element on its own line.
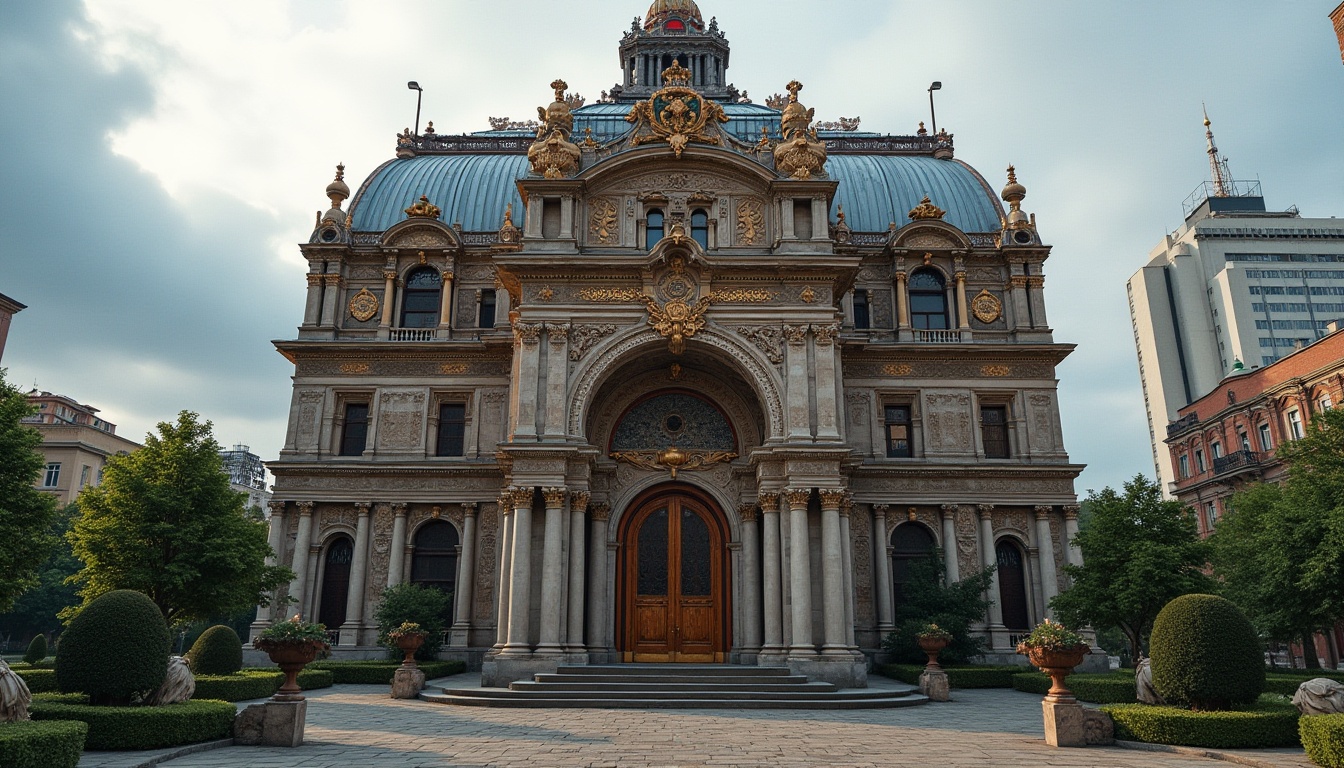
<point x="1043" y="422"/>
<point x="948" y="422"/>
<point x="308" y="420"/>
<point x="401" y="420"/>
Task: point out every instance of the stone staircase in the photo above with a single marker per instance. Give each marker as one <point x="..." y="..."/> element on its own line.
<point x="677" y="686"/>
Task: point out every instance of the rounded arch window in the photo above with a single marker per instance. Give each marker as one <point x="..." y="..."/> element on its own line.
<point x="335" y="581"/>
<point x="911" y="546"/>
<point x="700" y="227"/>
<point x="1012" y="584"/>
<point x="420" y="300"/>
<point x="928" y="300"/>
<point x="434" y="562"/>
<point x="653" y="227"/>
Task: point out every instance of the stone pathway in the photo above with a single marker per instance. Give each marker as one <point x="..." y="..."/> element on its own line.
<point x="354" y="726"/>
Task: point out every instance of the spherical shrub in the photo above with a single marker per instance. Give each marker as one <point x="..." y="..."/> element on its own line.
<point x="37" y="650"/>
<point x="218" y="651"/>
<point x="1206" y="654"/>
<point x="114" y="649"/>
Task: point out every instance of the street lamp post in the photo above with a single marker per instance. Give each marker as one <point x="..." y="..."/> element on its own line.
<point x="419" y="92"/>
<point x="937" y="86"/>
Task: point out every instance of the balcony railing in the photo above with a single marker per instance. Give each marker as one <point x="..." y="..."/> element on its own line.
<point x="412" y="334"/>
<point x="1235" y="461"/>
<point x="937" y="337"/>
<point x="1182" y="424"/>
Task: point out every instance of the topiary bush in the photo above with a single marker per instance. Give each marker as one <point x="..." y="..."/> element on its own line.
<point x="1206" y="654"/>
<point x="37" y="650"/>
<point x="425" y="606"/>
<point x="1323" y="739"/>
<point x="1268" y="723"/>
<point x="34" y="744"/>
<point x="218" y="651"/>
<point x="114" y="650"/>
<point x="139" y="727"/>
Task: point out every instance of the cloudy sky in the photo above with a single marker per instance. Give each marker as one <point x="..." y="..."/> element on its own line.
<point x="159" y="160"/>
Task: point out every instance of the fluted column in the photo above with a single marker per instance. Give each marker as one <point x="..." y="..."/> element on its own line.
<point x="832" y="574"/>
<point x="528" y="339"/>
<point x="828" y="409"/>
<point x="989" y="556"/>
<point x="847" y="568"/>
<point x="771" y="574"/>
<point x="1045" y="553"/>
<point x="303" y="541"/>
<point x="312" y="308"/>
<point x="520" y="586"/>
<point x="389" y="299"/>
<point x="1071" y="552"/>
<point x="800" y="576"/>
<point x="552" y="570"/>
<point x="950" y="567"/>
<point x="578" y="507"/>
<point x="597" y="577"/>
<point x="800" y="423"/>
<point x="751" y="580"/>
<point x="885" y="621"/>
<point x="446" y="301"/>
<point x="396" y="562"/>
<point x="354" y="598"/>
<point x="466" y="577"/>
<point x="557" y="365"/>
<point x="329" y="299"/>
<point x="505" y="569"/>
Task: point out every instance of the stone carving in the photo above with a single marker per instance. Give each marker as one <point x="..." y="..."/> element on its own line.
<point x="796" y="335"/>
<point x="858" y="404"/>
<point x="968" y="535"/>
<point x="945" y="369"/>
<point x="1042" y="423"/>
<point x="674" y="459"/>
<point x="926" y="240"/>
<point x="178" y="685"/>
<point x="553" y="155"/>
<point x="948" y="421"/>
<point x="750" y="222"/>
<point x="486" y="560"/>
<point x="382" y="549"/>
<point x="1143" y="684"/>
<point x="14" y="695"/>
<point x="583" y="337"/>
<point x="309" y="420"/>
<point x="798" y="497"/>
<point x="743" y="296"/>
<point x="603" y="224"/>
<point x="527" y="334"/>
<point x="767" y="338"/>
<point x="1320" y="696"/>
<point x="800" y="154"/>
<point x="613" y="295"/>
<point x="860" y="531"/>
<point x="677" y="320"/>
<point x="401" y="420"/>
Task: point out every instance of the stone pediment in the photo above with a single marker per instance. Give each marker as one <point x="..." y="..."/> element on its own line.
<point x="930" y="234"/>
<point x="421" y="233"/>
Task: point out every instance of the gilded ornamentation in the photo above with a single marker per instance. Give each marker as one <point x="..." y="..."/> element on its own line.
<point x="454" y="369"/>
<point x="354" y="368"/>
<point x="800" y="154"/>
<point x="674" y="459"/>
<point x="553" y="155"/>
<point x="554" y="497"/>
<point x="798" y="497"/>
<point x="832" y="498"/>
<point x="423" y="209"/>
<point x="612" y="295"/>
<point x="767" y="338"/>
<point x="986" y="307"/>
<point x="600" y="511"/>
<point x="926" y="210"/>
<point x="897" y="369"/>
<point x="747" y="512"/>
<point x="314" y="280"/>
<point x="743" y="296"/>
<point x="583" y="337"/>
<point x="677" y="321"/>
<point x="825" y="334"/>
<point x="578" y="501"/>
<point x="808" y="295"/>
<point x="545" y="293"/>
<point x="750" y="222"/>
<point x="676" y="114"/>
<point x="527" y="333"/>
<point x="769" y="500"/>
<point x="363" y="305"/>
<point x="603" y="226"/>
<point x="508" y="233"/>
<point x="995" y="370"/>
<point x="796" y="335"/>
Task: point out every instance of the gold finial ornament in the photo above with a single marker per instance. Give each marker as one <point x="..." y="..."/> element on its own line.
<point x="338" y="191"/>
<point x="553" y="155"/>
<point x="800" y="154"/>
<point x="424" y="209"/>
<point x="1013" y="194"/>
<point x="926" y="210"/>
<point x="508" y="233"/>
<point x="677" y="75"/>
<point x="677" y="321"/>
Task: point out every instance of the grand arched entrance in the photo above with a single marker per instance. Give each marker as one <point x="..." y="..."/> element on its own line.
<point x="672" y="588"/>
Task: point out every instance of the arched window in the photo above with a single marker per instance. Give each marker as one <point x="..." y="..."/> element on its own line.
<point x="434" y="563"/>
<point x="910" y="544"/>
<point x="653" y="228"/>
<point x="700" y="227"/>
<point x="335" y="582"/>
<point x="1012" y="585"/>
<point x="420" y="301"/>
<point x="928" y="300"/>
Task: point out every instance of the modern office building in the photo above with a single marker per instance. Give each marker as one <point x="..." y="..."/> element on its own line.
<point x="1235" y="285"/>
<point x="247" y="475"/>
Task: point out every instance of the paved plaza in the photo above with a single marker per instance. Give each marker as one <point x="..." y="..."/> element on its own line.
<point x="353" y="726"/>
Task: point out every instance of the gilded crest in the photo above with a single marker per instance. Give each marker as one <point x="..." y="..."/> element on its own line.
<point x="750" y="222"/>
<point x="986" y="307"/>
<point x="926" y="210"/>
<point x="677" y="114"/>
<point x="800" y="155"/>
<point x="674" y="459"/>
<point x="677" y="320"/>
<point x="363" y="305"/>
<point x="603" y="227"/>
<point x="423" y="209"/>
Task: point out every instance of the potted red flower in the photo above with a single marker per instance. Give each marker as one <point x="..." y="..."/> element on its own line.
<point x="932" y="640"/>
<point x="292" y="645"/>
<point x="408" y="638"/>
<point x="1055" y="650"/>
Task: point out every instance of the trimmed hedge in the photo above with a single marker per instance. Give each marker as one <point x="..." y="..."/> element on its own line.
<point x="113" y="728"/>
<point x="38" y="680"/>
<point x="1287" y="685"/>
<point x="957" y="677"/>
<point x="218" y="651"/>
<point x="1323" y="739"/>
<point x="380" y="672"/>
<point x="34" y="744"/>
<point x="1206" y="654"/>
<point x="115" y="648"/>
<point x="243" y="686"/>
<point x="1103" y="688"/>
<point x="1269" y="723"/>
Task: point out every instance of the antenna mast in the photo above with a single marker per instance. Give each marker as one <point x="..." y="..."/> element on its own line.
<point x="1218" y="169"/>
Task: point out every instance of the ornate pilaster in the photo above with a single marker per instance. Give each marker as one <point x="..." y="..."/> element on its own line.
<point x="557" y="336"/>
<point x="329" y="298"/>
<point x="527" y="345"/>
<point x="751" y="579"/>
<point x="963" y="315"/>
<point x="847" y="568"/>
<point x="902" y="298"/>
<point x="389" y="298"/>
<point x="883" y="569"/>
<point x="828" y="398"/>
<point x="598" y="513"/>
<point x="446" y="302"/>
<point x="771" y="584"/>
<point x="796" y="385"/>
<point x="312" y="308"/>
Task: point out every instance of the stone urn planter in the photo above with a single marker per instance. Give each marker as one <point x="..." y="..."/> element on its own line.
<point x="408" y="644"/>
<point x="1058" y="664"/>
<point x="932" y="646"/>
<point x="291" y="656"/>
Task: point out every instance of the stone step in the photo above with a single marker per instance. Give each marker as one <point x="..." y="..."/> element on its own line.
<point x="889" y="701"/>
<point x="692" y="670"/>
<point x="696" y="689"/>
<point x="651" y="679"/>
<point x="814" y="695"/>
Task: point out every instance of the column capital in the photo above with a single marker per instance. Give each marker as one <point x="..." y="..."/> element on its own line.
<point x="769" y="500"/>
<point x="448" y="275"/>
<point x="984" y="510"/>
<point x="798" y="497"/>
<point x="600" y="511"/>
<point x="333" y="278"/>
<point x="305" y="507"/>
<point x="831" y="498"/>
<point x="557" y="333"/>
<point x="960" y="277"/>
<point x="847" y="504"/>
<point x="362" y="508"/>
<point x="314" y="279"/>
<point x="881" y="510"/>
<point x="399" y="508"/>
<point x="520" y="496"/>
<point x="578" y="501"/>
<point x="949" y="511"/>
<point x="389" y="274"/>
<point x="825" y="334"/>
<point x="554" y="496"/>
<point x="1043" y="511"/>
<point x="747" y="511"/>
<point x="1071" y="511"/>
<point x="529" y="334"/>
<point x="900" y="275"/>
<point x="469" y="508"/>
<point x="796" y="334"/>
<point x="277" y="508"/>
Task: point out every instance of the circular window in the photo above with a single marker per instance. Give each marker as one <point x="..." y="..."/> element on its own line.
<point x="674" y="424"/>
<point x="328" y="235"/>
<point x="1021" y="238"/>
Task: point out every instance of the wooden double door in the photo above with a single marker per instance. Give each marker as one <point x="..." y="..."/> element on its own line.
<point x="673" y="580"/>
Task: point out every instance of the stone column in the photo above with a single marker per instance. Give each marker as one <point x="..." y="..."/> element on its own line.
<point x="989" y="557"/>
<point x="950" y="566"/>
<point x="275" y="539"/>
<point x="528" y="337"/>
<point x="963" y="316"/>
<point x="828" y="399"/>
<point x="1017" y="296"/>
<point x="1046" y="554"/>
<point x="505" y="570"/>
<point x="354" y="598"/>
<point x="466" y="579"/>
<point x="578" y="506"/>
<point x="557" y="366"/>
<point x="847" y="568"/>
<point x="1072" y="553"/>
<point x="312" y="309"/>
<point x="1036" y="297"/>
<point x="552" y="570"/>
<point x="885" y="621"/>
<point x="396" y="560"/>
<point x="389" y="299"/>
<point x="902" y="302"/>
<point x="800" y="576"/>
<point x="446" y="302"/>
<point x="751" y="580"/>
<point x="329" y="299"/>
<point x="303" y="541"/>
<point x="597" y="578"/>
<point x="771" y="576"/>
<point x="796" y="388"/>
<point x="832" y="574"/>
<point x="785" y="569"/>
<point x="520" y="574"/>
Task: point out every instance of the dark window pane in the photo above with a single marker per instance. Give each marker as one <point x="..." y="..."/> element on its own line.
<point x="926" y="280"/>
<point x="1012" y="586"/>
<point x="861" y="320"/>
<point x="335" y="583"/>
<point x="434" y="559"/>
<point x="695" y="571"/>
<point x="653" y="228"/>
<point x="356" y="432"/>
<point x="898" y="431"/>
<point x="452" y="428"/>
<point x="421" y="298"/>
<point x="653" y="554"/>
<point x="700" y="227"/>
<point x="487" y="309"/>
<point x="909" y="543"/>
<point x="928" y="300"/>
<point x="994" y="431"/>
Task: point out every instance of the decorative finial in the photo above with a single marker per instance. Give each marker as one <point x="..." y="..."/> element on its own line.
<point x="1013" y="194"/>
<point x="423" y="209"/>
<point x="429" y="128"/>
<point x="508" y="233"/>
<point x="340" y="171"/>
<point x="676" y="75"/>
<point x="922" y="130"/>
<point x="840" y="215"/>
<point x="588" y="140"/>
<point x="338" y="190"/>
<point x="926" y="210"/>
<point x="508" y="215"/>
<point x="793" y="88"/>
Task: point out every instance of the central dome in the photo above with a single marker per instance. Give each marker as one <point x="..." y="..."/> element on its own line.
<point x="660" y="10"/>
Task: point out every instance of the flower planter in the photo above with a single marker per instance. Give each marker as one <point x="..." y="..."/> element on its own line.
<point x="409" y="643"/>
<point x="932" y="646"/>
<point x="1058" y="664"/>
<point x="291" y="657"/>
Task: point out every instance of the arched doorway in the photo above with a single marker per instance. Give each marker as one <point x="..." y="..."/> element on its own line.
<point x="910" y="544"/>
<point x="673" y="580"/>
<point x="1012" y="585"/>
<point x="335" y="582"/>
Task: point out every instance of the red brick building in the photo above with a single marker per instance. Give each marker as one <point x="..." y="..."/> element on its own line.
<point x="1337" y="16"/>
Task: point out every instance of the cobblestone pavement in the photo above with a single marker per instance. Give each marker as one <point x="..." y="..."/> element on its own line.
<point x="356" y="726"/>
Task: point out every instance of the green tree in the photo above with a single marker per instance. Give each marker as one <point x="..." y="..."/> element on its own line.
<point x="927" y="598"/>
<point x="165" y="522"/>
<point x="425" y="606"/>
<point x="25" y="513"/>
<point x="38" y="609"/>
<point x="1139" y="552"/>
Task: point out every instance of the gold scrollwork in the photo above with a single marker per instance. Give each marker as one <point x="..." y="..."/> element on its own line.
<point x="355" y="368"/>
<point x="612" y="295"/>
<point x="986" y="307"/>
<point x="424" y="209"/>
<point x="674" y="459"/>
<point x="676" y="114"/>
<point x="603" y="224"/>
<point x="926" y="210"/>
<point x="677" y="321"/>
<point x="996" y="370"/>
<point x="743" y="296"/>
<point x="363" y="305"/>
<point x="897" y="369"/>
<point x="750" y="222"/>
<point x="454" y="369"/>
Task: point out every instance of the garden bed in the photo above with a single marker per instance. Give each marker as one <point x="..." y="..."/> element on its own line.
<point x="1323" y="739"/>
<point x="380" y="672"/>
<point x="1098" y="688"/>
<point x="112" y="728"/>
<point x="957" y="677"/>
<point x="42" y="744"/>
<point x="1271" y="722"/>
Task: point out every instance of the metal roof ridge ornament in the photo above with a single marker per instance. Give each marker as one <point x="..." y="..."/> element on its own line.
<point x="423" y="209"/>
<point x="553" y="155"/>
<point x="676" y="114"/>
<point x="509" y="234"/>
<point x="800" y="154"/>
<point x="926" y="210"/>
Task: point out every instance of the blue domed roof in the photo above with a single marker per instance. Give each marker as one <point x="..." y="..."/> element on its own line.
<point x="877" y="190"/>
<point x="472" y="190"/>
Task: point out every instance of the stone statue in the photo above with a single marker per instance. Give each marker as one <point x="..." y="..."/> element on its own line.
<point x="1143" y="684"/>
<point x="1320" y="696"/>
<point x="178" y="685"/>
<point x="14" y="695"/>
